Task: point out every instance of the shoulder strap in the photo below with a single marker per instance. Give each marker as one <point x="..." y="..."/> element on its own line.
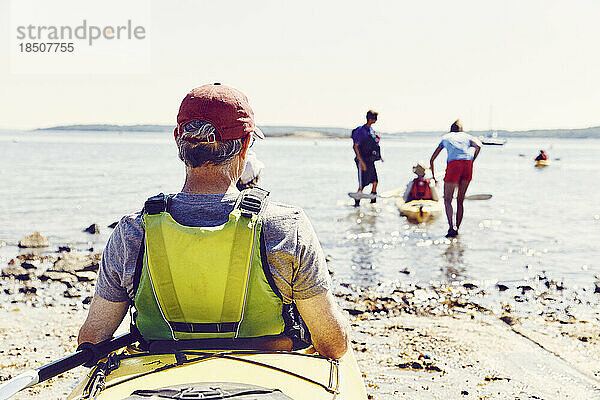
<point x="252" y="201"/>
<point x="138" y="267"/>
<point x="154" y="205"/>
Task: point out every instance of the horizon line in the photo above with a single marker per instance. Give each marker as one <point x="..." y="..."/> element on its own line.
<point x="168" y="126"/>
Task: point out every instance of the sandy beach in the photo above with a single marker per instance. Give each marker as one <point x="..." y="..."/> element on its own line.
<point x="433" y="341"/>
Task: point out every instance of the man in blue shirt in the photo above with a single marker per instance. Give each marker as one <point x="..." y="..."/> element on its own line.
<point x="366" y="150"/>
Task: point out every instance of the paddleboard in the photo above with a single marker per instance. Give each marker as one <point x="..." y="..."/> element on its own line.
<point x="478" y="197"/>
<point x="360" y="195"/>
<point x="392" y="193"/>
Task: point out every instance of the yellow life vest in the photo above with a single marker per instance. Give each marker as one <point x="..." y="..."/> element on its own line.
<point x="206" y="282"/>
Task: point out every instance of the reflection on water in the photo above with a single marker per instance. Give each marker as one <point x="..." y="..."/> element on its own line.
<point x="454" y="267"/>
<point x="361" y="232"/>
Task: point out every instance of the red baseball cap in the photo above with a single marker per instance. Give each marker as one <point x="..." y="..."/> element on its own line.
<point x="224" y="107"/>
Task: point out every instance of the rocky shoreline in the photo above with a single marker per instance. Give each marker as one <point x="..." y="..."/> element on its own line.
<point x="33" y="273"/>
<point x="535" y="339"/>
<point x="44" y="296"/>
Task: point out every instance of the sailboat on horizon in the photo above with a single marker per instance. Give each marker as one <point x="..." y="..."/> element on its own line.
<point x="492" y="139"/>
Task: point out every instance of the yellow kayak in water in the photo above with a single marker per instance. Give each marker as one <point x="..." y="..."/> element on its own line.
<point x="420" y="211"/>
<point x="222" y="374"/>
<point x="542" y="163"/>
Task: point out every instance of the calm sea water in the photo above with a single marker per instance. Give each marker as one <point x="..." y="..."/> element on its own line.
<point x="58" y="183"/>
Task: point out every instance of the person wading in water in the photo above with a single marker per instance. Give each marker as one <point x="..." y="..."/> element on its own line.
<point x="366" y="151"/>
<point x="459" y="171"/>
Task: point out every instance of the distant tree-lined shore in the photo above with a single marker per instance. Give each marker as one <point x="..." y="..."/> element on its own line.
<point x="333" y="132"/>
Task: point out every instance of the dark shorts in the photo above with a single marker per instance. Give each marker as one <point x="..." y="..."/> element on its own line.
<point x="459" y="171"/>
<point x="366" y="177"/>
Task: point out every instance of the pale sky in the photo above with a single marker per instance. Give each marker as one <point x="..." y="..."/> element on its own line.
<point x="420" y="64"/>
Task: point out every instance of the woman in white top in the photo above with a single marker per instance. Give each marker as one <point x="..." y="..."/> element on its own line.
<point x="462" y="150"/>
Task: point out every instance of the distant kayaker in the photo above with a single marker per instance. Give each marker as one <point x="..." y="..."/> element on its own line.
<point x="251" y="174"/>
<point x="211" y="264"/>
<point x="420" y="188"/>
<point x="459" y="170"/>
<point x="366" y="151"/>
<point x="542" y="156"/>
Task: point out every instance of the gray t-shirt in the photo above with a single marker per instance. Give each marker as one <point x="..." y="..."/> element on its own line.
<point x="294" y="253"/>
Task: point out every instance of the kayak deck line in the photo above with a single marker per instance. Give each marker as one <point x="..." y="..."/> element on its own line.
<point x="333" y="376"/>
<point x="97" y="377"/>
<point x="220" y="351"/>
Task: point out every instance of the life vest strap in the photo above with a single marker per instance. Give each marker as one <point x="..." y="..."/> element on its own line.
<point x="194" y="327"/>
<point x="162" y="278"/>
<point x="261" y="343"/>
<point x="240" y="264"/>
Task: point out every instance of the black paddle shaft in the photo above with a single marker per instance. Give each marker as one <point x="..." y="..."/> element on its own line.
<point x="88" y="354"/>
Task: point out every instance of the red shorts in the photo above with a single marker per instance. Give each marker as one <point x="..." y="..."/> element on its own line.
<point x="459" y="171"/>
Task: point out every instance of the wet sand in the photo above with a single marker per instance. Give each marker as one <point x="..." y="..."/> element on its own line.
<point x="460" y="357"/>
<point x="432" y="341"/>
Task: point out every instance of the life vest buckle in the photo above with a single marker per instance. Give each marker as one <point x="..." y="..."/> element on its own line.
<point x="251" y="202"/>
<point x="249" y="206"/>
<point x="155" y="204"/>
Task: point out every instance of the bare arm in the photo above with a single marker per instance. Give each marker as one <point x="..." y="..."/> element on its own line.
<point x="102" y="321"/>
<point x="328" y="328"/>
<point x="361" y="162"/>
<point x="432" y="159"/>
<point x="477" y="148"/>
